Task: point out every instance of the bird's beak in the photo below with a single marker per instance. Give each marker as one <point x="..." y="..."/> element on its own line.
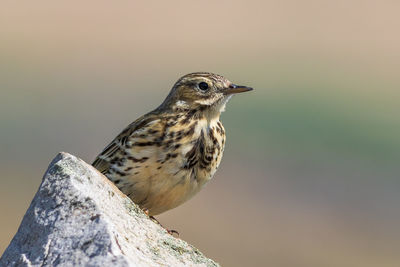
<point x="234" y="89"/>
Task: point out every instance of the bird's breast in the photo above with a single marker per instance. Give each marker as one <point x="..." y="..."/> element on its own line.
<point x="194" y="148"/>
<point x="187" y="165"/>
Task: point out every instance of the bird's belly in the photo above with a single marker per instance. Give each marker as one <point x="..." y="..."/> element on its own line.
<point x="171" y="192"/>
<point x="158" y="189"/>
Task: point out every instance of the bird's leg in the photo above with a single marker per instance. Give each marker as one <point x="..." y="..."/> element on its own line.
<point x="171" y="232"/>
<point x="146" y="211"/>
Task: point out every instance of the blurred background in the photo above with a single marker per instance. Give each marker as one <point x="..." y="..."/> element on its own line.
<point x="311" y="170"/>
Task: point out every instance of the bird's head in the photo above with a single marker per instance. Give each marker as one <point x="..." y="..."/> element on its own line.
<point x="204" y="91"/>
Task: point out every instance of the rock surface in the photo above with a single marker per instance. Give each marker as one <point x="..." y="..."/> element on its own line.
<point x="79" y="218"/>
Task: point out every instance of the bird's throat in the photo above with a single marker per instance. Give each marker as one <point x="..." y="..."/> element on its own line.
<point x="213" y="112"/>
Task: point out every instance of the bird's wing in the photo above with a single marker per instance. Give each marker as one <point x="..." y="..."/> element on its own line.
<point x="104" y="160"/>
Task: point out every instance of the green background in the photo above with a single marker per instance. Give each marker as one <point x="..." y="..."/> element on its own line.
<point x="310" y="175"/>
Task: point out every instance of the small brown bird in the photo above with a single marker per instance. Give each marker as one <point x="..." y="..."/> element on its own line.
<point x="166" y="156"/>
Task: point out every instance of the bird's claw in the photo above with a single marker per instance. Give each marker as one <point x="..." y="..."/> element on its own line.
<point x="171" y="232"/>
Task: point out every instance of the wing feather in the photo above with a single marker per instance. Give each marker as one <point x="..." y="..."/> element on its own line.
<point x="103" y="161"/>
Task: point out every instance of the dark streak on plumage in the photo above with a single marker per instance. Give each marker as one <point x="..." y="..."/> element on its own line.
<point x="117" y="171"/>
<point x="131" y="158"/>
<point x="212" y="137"/>
<point x="188" y="117"/>
<point x="150" y="143"/>
<point x="152" y="131"/>
<point x="175" y="147"/>
<point x="191" y="130"/>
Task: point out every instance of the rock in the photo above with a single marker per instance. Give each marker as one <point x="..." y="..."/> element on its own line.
<point x="79" y="218"/>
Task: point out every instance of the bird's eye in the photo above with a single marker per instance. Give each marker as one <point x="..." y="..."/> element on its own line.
<point x="203" y="86"/>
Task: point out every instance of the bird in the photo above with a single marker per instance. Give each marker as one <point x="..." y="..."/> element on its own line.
<point x="165" y="157"/>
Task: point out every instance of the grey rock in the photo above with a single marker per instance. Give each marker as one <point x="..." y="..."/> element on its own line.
<point x="79" y="218"/>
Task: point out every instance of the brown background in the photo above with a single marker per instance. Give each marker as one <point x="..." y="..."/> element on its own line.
<point x="311" y="170"/>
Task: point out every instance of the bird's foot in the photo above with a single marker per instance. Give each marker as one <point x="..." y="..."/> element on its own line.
<point x="171" y="232"/>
